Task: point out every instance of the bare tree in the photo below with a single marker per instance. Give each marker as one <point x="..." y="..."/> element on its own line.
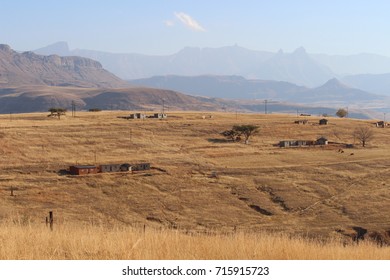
<point x="363" y="134"/>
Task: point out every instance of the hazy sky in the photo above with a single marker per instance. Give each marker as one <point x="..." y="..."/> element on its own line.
<point x="166" y="26"/>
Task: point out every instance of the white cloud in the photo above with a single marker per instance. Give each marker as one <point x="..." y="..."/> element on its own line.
<point x="189" y="22"/>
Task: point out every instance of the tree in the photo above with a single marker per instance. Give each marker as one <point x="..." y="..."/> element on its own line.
<point x="341" y="113"/>
<point x="363" y="134"/>
<point x="58" y="112"/>
<point x="231" y="135"/>
<point x="246" y="130"/>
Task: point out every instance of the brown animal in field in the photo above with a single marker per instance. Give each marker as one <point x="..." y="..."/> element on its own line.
<point x="351" y="154"/>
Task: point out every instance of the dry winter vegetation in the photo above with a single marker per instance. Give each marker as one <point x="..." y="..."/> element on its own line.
<point x="204" y="198"/>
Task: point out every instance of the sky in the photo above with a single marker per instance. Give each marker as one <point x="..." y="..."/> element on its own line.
<point x="161" y="27"/>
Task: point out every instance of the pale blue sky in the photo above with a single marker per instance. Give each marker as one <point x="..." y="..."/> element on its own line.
<point x="166" y="26"/>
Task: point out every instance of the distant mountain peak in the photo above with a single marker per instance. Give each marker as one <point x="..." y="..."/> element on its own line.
<point x="300" y="52"/>
<point x="59" y="48"/>
<point x="333" y="84"/>
<point x="5" y="48"/>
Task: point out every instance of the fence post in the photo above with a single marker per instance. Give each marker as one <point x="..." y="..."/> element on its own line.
<point x="12" y="191"/>
<point x="51" y="220"/>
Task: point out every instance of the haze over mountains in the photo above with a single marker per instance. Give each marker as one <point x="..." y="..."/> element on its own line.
<point x="31" y="82"/>
<point x="298" y="67"/>
<point x="21" y="73"/>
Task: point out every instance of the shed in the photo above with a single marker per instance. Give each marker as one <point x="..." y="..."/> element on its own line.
<point x="83" y="169"/>
<point x="323" y="122"/>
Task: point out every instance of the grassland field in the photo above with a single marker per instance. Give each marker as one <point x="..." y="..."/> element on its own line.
<point x="201" y="188"/>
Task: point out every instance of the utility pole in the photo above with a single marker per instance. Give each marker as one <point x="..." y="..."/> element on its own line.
<point x="265" y="106"/>
<point x="384" y="120"/>
<point x="73" y="109"/>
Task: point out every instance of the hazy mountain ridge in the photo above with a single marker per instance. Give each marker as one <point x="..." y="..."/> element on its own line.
<point x="28" y="68"/>
<point x="375" y="83"/>
<point x="236" y="87"/>
<point x="297" y="67"/>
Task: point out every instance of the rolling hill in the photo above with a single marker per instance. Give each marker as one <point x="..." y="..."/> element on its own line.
<point x="41" y="98"/>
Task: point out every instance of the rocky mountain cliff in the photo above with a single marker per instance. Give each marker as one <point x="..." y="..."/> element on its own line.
<point x="28" y="68"/>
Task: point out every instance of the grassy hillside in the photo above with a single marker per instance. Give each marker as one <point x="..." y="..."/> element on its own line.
<point x="199" y="182"/>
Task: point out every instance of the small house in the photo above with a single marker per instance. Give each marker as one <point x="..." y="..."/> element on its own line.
<point x="137" y="116"/>
<point x="83" y="169"/>
<point x="140" y="166"/>
<point x="322" y="141"/>
<point x="296" y="143"/>
<point x="323" y="122"/>
<point x="160" y="116"/>
<point x="380" y="124"/>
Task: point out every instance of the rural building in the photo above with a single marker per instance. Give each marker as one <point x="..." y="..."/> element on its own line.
<point x="381" y="124"/>
<point x="140" y="166"/>
<point x="107" y="168"/>
<point x="323" y="122"/>
<point x="301" y="122"/>
<point x="160" y="116"/>
<point x="110" y="168"/>
<point x="126" y="167"/>
<point x="83" y="169"/>
<point x="322" y="141"/>
<point x="137" y="116"/>
<point x="104" y="168"/>
<point x="296" y="143"/>
<point x="303" y="143"/>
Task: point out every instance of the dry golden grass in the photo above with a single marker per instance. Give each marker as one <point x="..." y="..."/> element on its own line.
<point x="316" y="192"/>
<point x="120" y="243"/>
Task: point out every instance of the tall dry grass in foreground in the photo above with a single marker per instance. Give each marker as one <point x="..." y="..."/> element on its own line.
<point x="37" y="242"/>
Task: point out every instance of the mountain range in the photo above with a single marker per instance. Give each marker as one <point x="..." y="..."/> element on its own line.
<point x="333" y="92"/>
<point x="298" y="67"/>
<point x="28" y="68"/>
<point x="33" y="82"/>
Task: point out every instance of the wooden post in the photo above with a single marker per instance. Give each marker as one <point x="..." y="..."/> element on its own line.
<point x="51" y="220"/>
<point x="12" y="191"/>
<point x="144" y="228"/>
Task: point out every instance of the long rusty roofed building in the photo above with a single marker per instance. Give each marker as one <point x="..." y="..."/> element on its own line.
<point x="107" y="168"/>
